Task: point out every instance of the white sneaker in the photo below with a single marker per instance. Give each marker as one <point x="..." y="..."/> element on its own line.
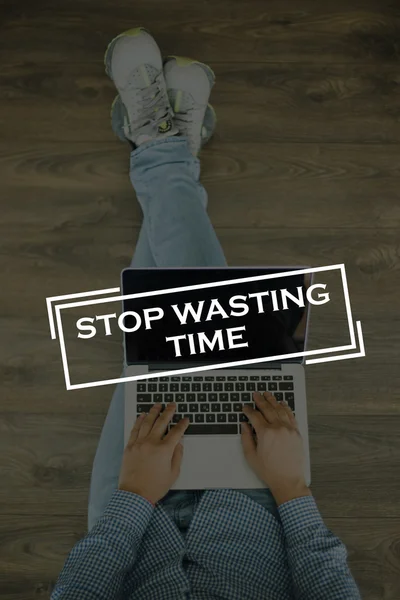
<point x="133" y="61"/>
<point x="189" y="84"/>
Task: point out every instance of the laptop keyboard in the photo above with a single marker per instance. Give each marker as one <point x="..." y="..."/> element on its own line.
<point x="212" y="403"/>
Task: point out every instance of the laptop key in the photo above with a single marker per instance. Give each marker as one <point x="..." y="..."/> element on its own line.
<point x="266" y="377"/>
<point x="250" y="386"/>
<point x="228" y="387"/>
<point x="221" y="378"/>
<point x="143" y="398"/>
<point x="174" y="387"/>
<point x="237" y="407"/>
<point x="221" y="418"/>
<point x="141" y="387"/>
<point x="204" y="408"/>
<point x="286" y="385"/>
<point x="216" y="407"/>
<point x="169" y="397"/>
<point x="224" y="397"/>
<point x="157" y="397"/>
<point x="226" y="407"/>
<point x="232" y="418"/>
<point x="186" y="378"/>
<point x="198" y="378"/>
<point x="180" y="397"/>
<point x="185" y="387"/>
<point x="261" y="386"/>
<point x="182" y="408"/>
<point x="239" y="387"/>
<point x="210" y="418"/>
<point x="277" y="378"/>
<point x="212" y="397"/>
<point x="246" y="397"/>
<point x="191" y="397"/>
<point x="176" y="418"/>
<point x="288" y="377"/>
<point x="243" y="377"/>
<point x="243" y="418"/>
<point x="199" y="418"/>
<point x="202" y="397"/>
<point x="218" y="387"/>
<point x="143" y="408"/>
<point x="289" y="397"/>
<point x="196" y="387"/>
<point x="190" y="417"/>
<point x="152" y="387"/>
<point x="193" y="407"/>
<point x="254" y="377"/>
<point x="164" y="378"/>
<point x="175" y="378"/>
<point x="212" y="429"/>
<point x="232" y="377"/>
<point x="209" y="378"/>
<point x="272" y="387"/>
<point x="163" y="387"/>
<point x="207" y="387"/>
<point x="235" y="397"/>
<point x="279" y="396"/>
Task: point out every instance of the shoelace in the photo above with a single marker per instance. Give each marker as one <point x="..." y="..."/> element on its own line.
<point x="154" y="103"/>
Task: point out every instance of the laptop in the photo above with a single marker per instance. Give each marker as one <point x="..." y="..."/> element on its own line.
<point x="212" y="399"/>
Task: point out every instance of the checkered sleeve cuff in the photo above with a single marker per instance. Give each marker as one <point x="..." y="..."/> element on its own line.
<point x="134" y="510"/>
<point x="299" y="514"/>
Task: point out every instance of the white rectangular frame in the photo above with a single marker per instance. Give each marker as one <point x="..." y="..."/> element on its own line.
<point x="58" y="308"/>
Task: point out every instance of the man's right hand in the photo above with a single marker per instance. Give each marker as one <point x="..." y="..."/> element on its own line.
<point x="277" y="456"/>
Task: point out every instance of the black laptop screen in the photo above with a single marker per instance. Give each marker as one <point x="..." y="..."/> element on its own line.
<point x="269" y="333"/>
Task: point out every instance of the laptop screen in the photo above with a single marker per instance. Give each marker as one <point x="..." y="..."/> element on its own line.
<point x="269" y="332"/>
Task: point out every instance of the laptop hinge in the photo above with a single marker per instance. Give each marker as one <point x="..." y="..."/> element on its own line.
<point x="167" y="367"/>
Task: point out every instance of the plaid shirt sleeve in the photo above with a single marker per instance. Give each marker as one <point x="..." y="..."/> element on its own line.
<point x="96" y="567"/>
<point x="317" y="559"/>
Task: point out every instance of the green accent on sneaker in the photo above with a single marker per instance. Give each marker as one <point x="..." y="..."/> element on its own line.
<point x="165" y="126"/>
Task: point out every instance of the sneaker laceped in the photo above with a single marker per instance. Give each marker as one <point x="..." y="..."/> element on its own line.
<point x="189" y="84"/>
<point x="119" y="117"/>
<point x="133" y="61"/>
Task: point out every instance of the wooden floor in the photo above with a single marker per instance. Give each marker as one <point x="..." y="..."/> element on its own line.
<point x="304" y="169"/>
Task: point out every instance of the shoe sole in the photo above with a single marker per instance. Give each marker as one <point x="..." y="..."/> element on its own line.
<point x="108" y="53"/>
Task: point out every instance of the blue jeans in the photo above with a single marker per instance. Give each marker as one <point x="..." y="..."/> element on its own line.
<point x="176" y="232"/>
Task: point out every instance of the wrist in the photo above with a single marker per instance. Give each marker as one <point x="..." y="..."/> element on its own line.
<point x="137" y="492"/>
<point x="286" y="492"/>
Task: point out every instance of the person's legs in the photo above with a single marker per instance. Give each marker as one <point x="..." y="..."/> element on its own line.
<point x="166" y="179"/>
<point x="176" y="232"/>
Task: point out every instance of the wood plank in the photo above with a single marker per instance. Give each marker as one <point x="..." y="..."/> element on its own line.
<point x="60" y="259"/>
<point x="50" y="466"/>
<point x="33" y="552"/>
<point x="212" y="30"/>
<point x="274" y="102"/>
<point x="373" y="555"/>
<point x="331" y="185"/>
